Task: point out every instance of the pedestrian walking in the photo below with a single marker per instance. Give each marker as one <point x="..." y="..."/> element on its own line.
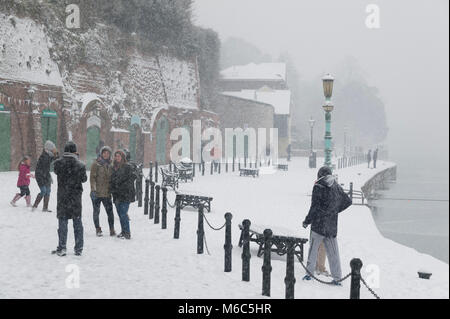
<point x="23" y="182"/>
<point x="369" y="158"/>
<point x="43" y="176"/>
<point x="328" y="200"/>
<point x="123" y="192"/>
<point x="71" y="175"/>
<point x="375" y="158"/>
<point x="100" y="180"/>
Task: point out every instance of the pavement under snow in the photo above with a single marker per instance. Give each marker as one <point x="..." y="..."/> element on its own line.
<point x="154" y="265"/>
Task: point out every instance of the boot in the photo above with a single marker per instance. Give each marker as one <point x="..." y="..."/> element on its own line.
<point x="37" y="201"/>
<point x="98" y="232"/>
<point x="28" y="200"/>
<point x="112" y="232"/>
<point x="46" y="200"/>
<point x="15" y="199"/>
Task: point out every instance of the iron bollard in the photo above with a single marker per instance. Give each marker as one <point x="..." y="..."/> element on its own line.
<point x="234" y="161"/>
<point x="220" y="167"/>
<point x="156" y="172"/>
<point x="200" y="231"/>
<point x="351" y="191"/>
<point x="212" y="168"/>
<point x="152" y="200"/>
<point x="193" y="169"/>
<point x="176" y="232"/>
<point x="228" y="246"/>
<point x="267" y="266"/>
<point x="139" y="189"/>
<point x="226" y="166"/>
<point x="246" y="250"/>
<point x="151" y="172"/>
<point x="157" y="203"/>
<point x="146" y="197"/>
<point x="164" y="209"/>
<point x="355" y="285"/>
<point x="289" y="280"/>
<point x="203" y="168"/>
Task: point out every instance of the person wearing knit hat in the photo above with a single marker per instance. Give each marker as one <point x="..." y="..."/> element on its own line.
<point x="43" y="176"/>
<point x="71" y="175"/>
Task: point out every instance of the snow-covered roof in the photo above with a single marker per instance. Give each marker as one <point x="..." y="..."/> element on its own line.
<point x="252" y="71"/>
<point x="279" y="99"/>
<point x="24" y="53"/>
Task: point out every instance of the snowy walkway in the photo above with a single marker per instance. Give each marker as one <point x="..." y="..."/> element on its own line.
<point x="153" y="265"/>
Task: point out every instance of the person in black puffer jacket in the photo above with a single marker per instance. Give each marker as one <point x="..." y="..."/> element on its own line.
<point x="71" y="175"/>
<point x="328" y="200"/>
<point x="122" y="190"/>
<point x="43" y="177"/>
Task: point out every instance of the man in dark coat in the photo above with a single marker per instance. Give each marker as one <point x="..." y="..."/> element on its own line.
<point x="71" y="175"/>
<point x="43" y="177"/>
<point x="328" y="200"/>
<point x="369" y="158"/>
<point x="375" y="158"/>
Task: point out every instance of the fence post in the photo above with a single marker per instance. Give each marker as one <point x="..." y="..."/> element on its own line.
<point x="246" y="250"/>
<point x="289" y="280"/>
<point x="200" y="230"/>
<point x="351" y="191"/>
<point x="176" y="232"/>
<point x="139" y="188"/>
<point x="151" y="172"/>
<point x="267" y="267"/>
<point x="164" y="209"/>
<point x="355" y="285"/>
<point x="146" y="196"/>
<point x="156" y="172"/>
<point x="228" y="246"/>
<point x="220" y="167"/>
<point x="157" y="204"/>
<point x="152" y="200"/>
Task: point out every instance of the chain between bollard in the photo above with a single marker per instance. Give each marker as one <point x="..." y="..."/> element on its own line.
<point x="210" y="226"/>
<point x="323" y="281"/>
<point x="370" y="289"/>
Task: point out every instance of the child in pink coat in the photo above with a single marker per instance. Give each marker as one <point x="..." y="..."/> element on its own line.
<point x="24" y="181"/>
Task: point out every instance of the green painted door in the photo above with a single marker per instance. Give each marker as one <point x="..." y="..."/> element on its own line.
<point x="49" y="126"/>
<point x="5" y="141"/>
<point x="133" y="141"/>
<point x="162" y="128"/>
<point x="93" y="139"/>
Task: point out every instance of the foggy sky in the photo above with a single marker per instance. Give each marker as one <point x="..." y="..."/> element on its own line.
<point x="407" y="58"/>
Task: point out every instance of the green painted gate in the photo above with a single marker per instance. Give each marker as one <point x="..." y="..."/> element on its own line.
<point x="93" y="140"/>
<point x="162" y="128"/>
<point x="5" y="140"/>
<point x="49" y="126"/>
<point x="133" y="141"/>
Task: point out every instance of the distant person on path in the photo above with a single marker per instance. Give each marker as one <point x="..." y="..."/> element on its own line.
<point x="123" y="192"/>
<point x="23" y="181"/>
<point x="369" y="158"/>
<point x="43" y="176"/>
<point x="288" y="150"/>
<point x="375" y="158"/>
<point x="328" y="200"/>
<point x="100" y="180"/>
<point x="71" y="175"/>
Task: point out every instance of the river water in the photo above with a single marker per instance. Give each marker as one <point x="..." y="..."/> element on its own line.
<point x="422" y="225"/>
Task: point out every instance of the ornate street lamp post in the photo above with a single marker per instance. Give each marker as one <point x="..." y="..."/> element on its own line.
<point x="311" y="125"/>
<point x="328" y="81"/>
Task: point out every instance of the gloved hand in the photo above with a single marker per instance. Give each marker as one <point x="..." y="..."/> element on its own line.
<point x="305" y="225"/>
<point x="93" y="195"/>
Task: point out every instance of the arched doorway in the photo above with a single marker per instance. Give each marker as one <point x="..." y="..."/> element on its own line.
<point x="92" y="139"/>
<point x="162" y="128"/>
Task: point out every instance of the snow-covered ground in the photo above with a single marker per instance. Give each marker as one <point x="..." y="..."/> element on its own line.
<point x="154" y="265"/>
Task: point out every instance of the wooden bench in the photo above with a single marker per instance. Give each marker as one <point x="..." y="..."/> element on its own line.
<point x="280" y="238"/>
<point x="185" y="173"/>
<point x="283" y="167"/>
<point x="170" y="179"/>
<point x="195" y="201"/>
<point x="249" y="172"/>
